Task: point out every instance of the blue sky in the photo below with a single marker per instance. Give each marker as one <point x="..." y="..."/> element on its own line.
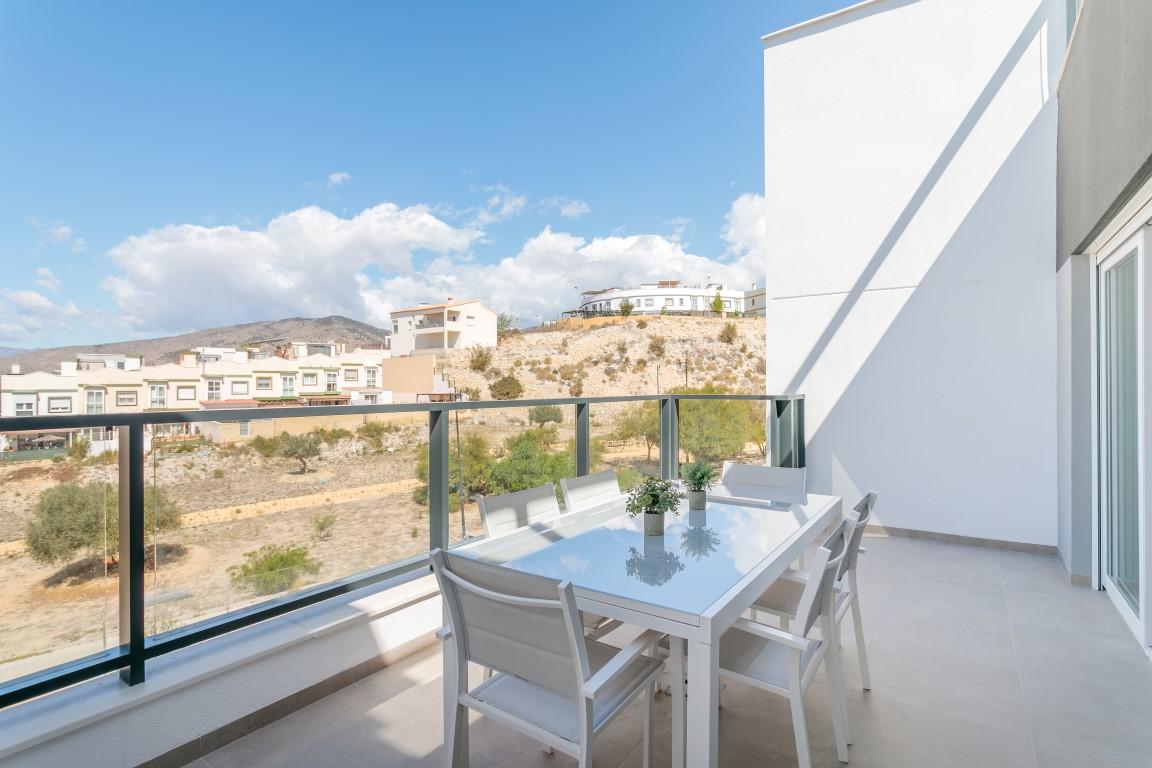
<point x="166" y="166"/>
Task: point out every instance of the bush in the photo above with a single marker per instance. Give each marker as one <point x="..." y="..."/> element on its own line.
<point x="505" y="325"/>
<point x="218" y="474"/>
<point x="506" y="388"/>
<point x="331" y="436"/>
<point x="300" y="447"/>
<point x="542" y="414"/>
<point x="79" y="448"/>
<point x="69" y="518"/>
<point x="656" y="346"/>
<point x="265" y="446"/>
<point x="717" y="304"/>
<point x="273" y="568"/>
<point x="479" y="359"/>
<point x="728" y="333"/>
<point x="625" y="308"/>
<point x="322" y="524"/>
<point x="641" y="323"/>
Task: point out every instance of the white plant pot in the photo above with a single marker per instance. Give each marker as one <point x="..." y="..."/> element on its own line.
<point x="697" y="499"/>
<point x="654" y="524"/>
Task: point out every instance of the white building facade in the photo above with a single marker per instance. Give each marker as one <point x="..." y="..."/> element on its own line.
<point x="455" y="324"/>
<point x="663" y="297"/>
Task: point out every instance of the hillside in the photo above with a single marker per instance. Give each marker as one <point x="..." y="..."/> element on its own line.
<point x="164" y="349"/>
<point x="620" y="359"/>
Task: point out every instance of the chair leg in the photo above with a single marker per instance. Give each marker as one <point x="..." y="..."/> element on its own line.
<point x="839" y="705"/>
<point x="862" y="652"/>
<point x="799" y="723"/>
<point x="456" y="748"/>
<point x="649" y="729"/>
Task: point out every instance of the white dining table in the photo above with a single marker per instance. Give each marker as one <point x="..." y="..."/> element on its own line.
<point x="691" y="583"/>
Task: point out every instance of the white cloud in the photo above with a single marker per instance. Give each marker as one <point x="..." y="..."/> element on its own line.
<point x="681" y="226"/>
<point x="566" y="207"/>
<point x="311" y="262"/>
<point x="307" y="262"/>
<point x="46" y="279"/>
<point x="27" y="312"/>
<point x="338" y="178"/>
<point x="500" y="203"/>
<point x="55" y="233"/>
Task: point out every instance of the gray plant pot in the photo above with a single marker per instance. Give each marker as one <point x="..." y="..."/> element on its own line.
<point x="654" y="524"/>
<point x="697" y="499"/>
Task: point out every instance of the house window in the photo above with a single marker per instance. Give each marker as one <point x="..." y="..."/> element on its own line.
<point x="189" y="393"/>
<point x="331" y="381"/>
<point x="309" y="379"/>
<point x="59" y="405"/>
<point x="126" y="399"/>
<point x="263" y="383"/>
<point x="681" y="301"/>
<point x="350" y="374"/>
<point x="157" y="396"/>
<point x="26" y="408"/>
<point x="370" y="376"/>
<point x="727" y="305"/>
<point x="215" y="387"/>
<point x="649" y="302"/>
<point x="239" y="387"/>
<point x="95" y="401"/>
<point x="245" y="428"/>
<point x="669" y="302"/>
<point x="288" y="385"/>
<point x="370" y="399"/>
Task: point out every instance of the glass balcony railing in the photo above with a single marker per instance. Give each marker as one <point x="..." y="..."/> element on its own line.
<point x="118" y="552"/>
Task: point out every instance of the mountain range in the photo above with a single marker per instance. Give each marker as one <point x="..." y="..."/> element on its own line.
<point x="164" y="349"/>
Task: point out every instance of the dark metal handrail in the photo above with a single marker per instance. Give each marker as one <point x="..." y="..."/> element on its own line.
<point x="785" y="422"/>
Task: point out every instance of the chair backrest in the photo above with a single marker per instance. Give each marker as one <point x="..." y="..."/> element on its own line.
<point x="734" y="475"/>
<point x="819" y="592"/>
<point x="514" y="622"/>
<point x="862" y="514"/>
<point x="503" y="514"/>
<point x="584" y="493"/>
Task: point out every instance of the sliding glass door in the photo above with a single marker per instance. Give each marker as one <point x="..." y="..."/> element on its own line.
<point x="1122" y="280"/>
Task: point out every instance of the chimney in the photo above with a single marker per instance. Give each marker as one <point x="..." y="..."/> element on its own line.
<point x="15" y="369"/>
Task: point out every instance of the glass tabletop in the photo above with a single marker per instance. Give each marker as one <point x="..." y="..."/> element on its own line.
<point x="701" y="555"/>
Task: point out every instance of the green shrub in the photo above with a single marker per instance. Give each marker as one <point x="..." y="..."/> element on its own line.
<point x="656" y="346"/>
<point x="273" y="568"/>
<point x="479" y="359"/>
<point x="331" y="436"/>
<point x="506" y="388"/>
<point x="626" y="308"/>
<point x="300" y="447"/>
<point x="728" y="333"/>
<point x="542" y="414"/>
<point x="641" y="323"/>
<point x="218" y="474"/>
<point x="79" y="448"/>
<point x="322" y="524"/>
<point x="265" y="446"/>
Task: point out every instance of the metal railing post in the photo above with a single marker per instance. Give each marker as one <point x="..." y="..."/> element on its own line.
<point x="669" y="438"/>
<point x="583" y="440"/>
<point x="131" y="555"/>
<point x="438" y="497"/>
<point x="786" y="432"/>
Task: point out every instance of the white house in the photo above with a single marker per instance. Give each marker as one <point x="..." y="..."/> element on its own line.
<point x="455" y="324"/>
<point x="663" y="297"/>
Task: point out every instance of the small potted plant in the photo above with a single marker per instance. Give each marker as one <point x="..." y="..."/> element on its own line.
<point x="698" y="476"/>
<point x="652" y="498"/>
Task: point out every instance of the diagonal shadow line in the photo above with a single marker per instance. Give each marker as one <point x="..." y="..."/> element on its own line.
<point x="947" y="155"/>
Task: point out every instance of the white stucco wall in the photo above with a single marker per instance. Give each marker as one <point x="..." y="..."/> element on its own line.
<point x="910" y="167"/>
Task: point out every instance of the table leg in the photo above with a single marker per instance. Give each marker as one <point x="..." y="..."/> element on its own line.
<point x="676" y="670"/>
<point x="703" y="704"/>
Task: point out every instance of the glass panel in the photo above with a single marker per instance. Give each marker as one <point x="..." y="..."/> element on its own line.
<point x="1120" y="346"/>
<point x="503" y="450"/>
<point x="626" y="437"/>
<point x="715" y="431"/>
<point x="59" y="586"/>
<point x="251" y="511"/>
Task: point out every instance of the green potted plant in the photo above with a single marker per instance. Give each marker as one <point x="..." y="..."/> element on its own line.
<point x="652" y="498"/>
<point x="698" y="476"/>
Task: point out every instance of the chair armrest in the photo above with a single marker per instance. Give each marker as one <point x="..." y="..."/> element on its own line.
<point x="616" y="664"/>
<point x="444" y="633"/>
<point x="771" y="633"/>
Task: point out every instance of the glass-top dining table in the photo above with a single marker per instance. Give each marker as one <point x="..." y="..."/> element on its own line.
<point x="692" y="582"/>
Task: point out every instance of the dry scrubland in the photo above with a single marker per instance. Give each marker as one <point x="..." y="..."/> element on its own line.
<point x="357" y="507"/>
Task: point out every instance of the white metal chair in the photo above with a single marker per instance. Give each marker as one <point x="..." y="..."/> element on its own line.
<point x="504" y="514"/>
<point x="785" y="663"/>
<point x="553" y="684"/>
<point x="590" y="491"/>
<point x="782" y="599"/>
<point x="758" y="482"/>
